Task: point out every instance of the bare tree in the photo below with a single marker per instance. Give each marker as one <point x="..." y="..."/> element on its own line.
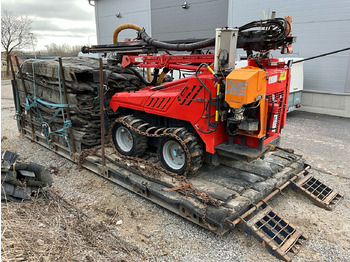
<point x="61" y="50"/>
<point x="15" y="33"/>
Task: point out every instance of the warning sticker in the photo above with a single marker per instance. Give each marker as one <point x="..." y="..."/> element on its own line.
<point x="272" y="79"/>
<point x="139" y="59"/>
<point x="283" y="76"/>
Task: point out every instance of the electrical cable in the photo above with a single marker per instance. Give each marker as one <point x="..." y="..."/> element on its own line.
<point x="264" y="35"/>
<point x="276" y="30"/>
<point x="209" y="98"/>
<point x="252" y="107"/>
<point x="325" y="54"/>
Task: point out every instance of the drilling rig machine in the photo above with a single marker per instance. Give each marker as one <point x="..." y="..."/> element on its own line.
<point x="217" y="114"/>
<point x="214" y="132"/>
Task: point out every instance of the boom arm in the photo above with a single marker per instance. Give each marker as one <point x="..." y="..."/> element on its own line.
<point x="272" y="34"/>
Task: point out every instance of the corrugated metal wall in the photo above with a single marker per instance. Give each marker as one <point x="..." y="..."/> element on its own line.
<point x="320" y="26"/>
<point x="171" y="22"/>
<point x="133" y="11"/>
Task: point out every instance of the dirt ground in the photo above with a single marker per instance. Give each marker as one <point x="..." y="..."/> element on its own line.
<point x="104" y="222"/>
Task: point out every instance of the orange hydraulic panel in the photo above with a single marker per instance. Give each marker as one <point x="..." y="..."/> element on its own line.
<point x="244" y="86"/>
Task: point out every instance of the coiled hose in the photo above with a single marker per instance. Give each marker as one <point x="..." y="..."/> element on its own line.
<point x="176" y="47"/>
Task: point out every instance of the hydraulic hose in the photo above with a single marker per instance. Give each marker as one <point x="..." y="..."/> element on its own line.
<point x="149" y="74"/>
<point x="176" y="47"/>
<point x="123" y="27"/>
<point x="162" y="75"/>
<point x="209" y="99"/>
<point x="129" y="26"/>
<point x="155" y="76"/>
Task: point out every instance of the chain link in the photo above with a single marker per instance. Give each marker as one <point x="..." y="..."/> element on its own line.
<point x="157" y="132"/>
<point x="186" y="186"/>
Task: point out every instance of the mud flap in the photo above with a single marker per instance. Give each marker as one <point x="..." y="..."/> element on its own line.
<point x="281" y="238"/>
<point x="319" y="193"/>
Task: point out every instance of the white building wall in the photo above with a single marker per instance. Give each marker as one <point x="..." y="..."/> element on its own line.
<point x="131" y="12"/>
<point x="320" y="26"/>
<point x="172" y="22"/>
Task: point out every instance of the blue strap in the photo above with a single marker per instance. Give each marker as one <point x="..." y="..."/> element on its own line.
<point x="51" y="104"/>
<point x="54" y="115"/>
<point x="29" y="105"/>
<point x="62" y="132"/>
<point x="66" y="125"/>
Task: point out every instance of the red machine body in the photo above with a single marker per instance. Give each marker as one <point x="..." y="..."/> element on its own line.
<point x="188" y="100"/>
<point x="277" y="92"/>
<point x="230" y="113"/>
<point x="184" y="99"/>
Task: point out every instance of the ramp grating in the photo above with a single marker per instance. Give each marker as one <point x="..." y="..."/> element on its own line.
<point x="281" y="238"/>
<point x="319" y="193"/>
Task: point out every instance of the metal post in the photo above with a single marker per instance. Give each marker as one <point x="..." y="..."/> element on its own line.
<point x="65" y="97"/>
<point x="26" y="93"/>
<point x="15" y="87"/>
<point x="102" y="111"/>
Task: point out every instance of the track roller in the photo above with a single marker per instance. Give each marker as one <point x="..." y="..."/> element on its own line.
<point x="127" y="141"/>
<point x="180" y="152"/>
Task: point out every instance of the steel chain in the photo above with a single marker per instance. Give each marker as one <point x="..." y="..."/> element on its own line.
<point x="84" y="154"/>
<point x="205" y="198"/>
<point x="154" y="134"/>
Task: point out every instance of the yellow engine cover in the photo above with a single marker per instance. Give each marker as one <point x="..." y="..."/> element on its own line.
<point x="244" y="86"/>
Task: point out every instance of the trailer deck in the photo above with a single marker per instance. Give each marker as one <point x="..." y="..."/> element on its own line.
<point x="240" y="191"/>
<point x="217" y="198"/>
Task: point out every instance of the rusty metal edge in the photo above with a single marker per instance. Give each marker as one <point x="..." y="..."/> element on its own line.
<point x="115" y="175"/>
<point x="15" y="87"/>
<point x="102" y="116"/>
<point x="26" y="94"/>
<point x="235" y="222"/>
<point x="70" y="130"/>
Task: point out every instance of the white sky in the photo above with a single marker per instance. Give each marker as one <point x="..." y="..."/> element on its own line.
<point x="57" y="21"/>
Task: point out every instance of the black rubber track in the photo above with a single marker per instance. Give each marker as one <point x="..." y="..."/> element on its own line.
<point x="10" y="192"/>
<point x="140" y="142"/>
<point x="194" y="146"/>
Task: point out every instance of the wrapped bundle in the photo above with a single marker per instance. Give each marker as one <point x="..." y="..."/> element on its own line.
<point x="45" y="100"/>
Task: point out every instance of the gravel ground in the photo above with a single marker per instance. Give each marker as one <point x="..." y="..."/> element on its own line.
<point x="164" y="236"/>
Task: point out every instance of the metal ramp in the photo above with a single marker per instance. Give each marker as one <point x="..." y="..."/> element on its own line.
<point x="281" y="238"/>
<point x="319" y="193"/>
